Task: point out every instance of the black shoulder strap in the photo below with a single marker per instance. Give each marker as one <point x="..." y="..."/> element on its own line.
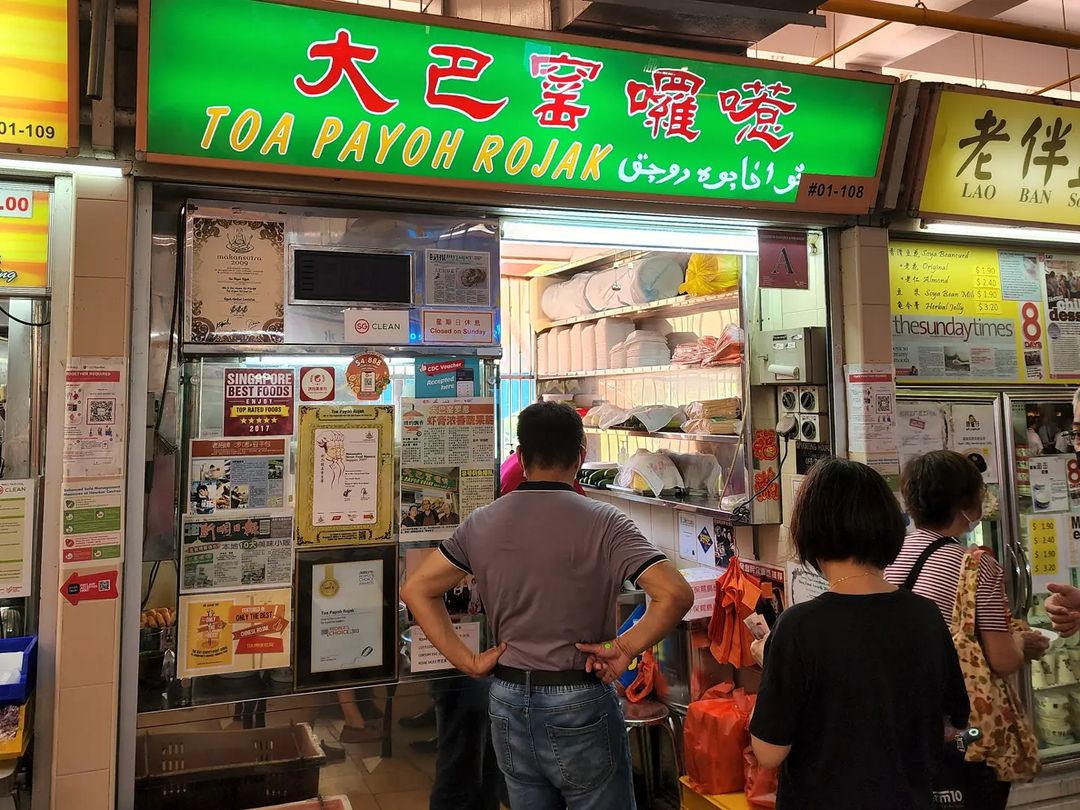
<point x="916" y="569"/>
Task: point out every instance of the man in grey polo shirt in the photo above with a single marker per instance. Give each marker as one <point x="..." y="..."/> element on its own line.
<point x="549" y="565"/>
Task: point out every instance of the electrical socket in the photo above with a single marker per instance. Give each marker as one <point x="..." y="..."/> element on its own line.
<point x="813" y="399"/>
<point x="787" y="399"/>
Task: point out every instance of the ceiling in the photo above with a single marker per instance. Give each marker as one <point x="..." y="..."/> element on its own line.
<point x="931" y="54"/>
<point x="912" y="52"/>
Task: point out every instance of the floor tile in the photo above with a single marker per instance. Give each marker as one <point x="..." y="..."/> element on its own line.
<point x="363" y="801"/>
<point x="393" y="774"/>
<point x="403" y="800"/>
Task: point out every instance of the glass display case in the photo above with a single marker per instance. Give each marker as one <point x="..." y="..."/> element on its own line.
<point x="1047" y="496"/>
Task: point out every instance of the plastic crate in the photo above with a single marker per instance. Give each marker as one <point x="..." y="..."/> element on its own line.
<point x="17" y="746"/>
<point x="19" y="692"/>
<point x="227" y="770"/>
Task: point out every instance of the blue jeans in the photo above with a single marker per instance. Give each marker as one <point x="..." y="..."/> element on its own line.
<point x="562" y="747"/>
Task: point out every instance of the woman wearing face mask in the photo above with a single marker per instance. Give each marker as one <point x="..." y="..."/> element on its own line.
<point x="943" y="493"/>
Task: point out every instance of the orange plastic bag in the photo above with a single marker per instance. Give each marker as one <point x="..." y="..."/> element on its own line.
<point x="714" y="738"/>
<point x="737" y="595"/>
<point x="760" y="782"/>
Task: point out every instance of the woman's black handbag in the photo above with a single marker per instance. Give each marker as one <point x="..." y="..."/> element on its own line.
<point x="963" y="785"/>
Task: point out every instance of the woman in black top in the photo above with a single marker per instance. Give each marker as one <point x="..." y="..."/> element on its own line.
<point x="859" y="682"/>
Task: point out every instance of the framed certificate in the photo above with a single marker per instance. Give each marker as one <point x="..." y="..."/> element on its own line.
<point x="347" y="609"/>
<point x="344" y="486"/>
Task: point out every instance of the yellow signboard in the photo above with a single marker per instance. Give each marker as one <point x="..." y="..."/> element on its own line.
<point x="24" y="238"/>
<point x="38" y="84"/>
<point x="994" y="157"/>
<point x="972" y="314"/>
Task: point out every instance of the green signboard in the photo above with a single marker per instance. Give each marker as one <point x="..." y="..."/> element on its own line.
<point x="313" y="90"/>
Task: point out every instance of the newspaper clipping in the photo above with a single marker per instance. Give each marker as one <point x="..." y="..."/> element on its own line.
<point x="446" y="470"/>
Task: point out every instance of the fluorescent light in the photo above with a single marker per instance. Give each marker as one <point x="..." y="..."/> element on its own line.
<point x="49" y="167"/>
<point x="1024" y="234"/>
<point x="728" y="240"/>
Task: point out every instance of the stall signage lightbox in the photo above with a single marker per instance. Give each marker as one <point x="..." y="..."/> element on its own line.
<point x="38" y="76"/>
<point x="1002" y="158"/>
<point x="313" y="91"/>
<point x="24" y="238"/>
<point x="975" y="314"/>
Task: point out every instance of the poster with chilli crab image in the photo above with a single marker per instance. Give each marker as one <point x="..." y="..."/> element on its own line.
<point x="345" y="475"/>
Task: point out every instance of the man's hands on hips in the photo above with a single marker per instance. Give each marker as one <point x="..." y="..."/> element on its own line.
<point x="1063" y="607"/>
<point x="608" y="661"/>
<point x="480" y="665"/>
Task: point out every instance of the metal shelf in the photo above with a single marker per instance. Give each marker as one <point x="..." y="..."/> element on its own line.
<point x="679" y="306"/>
<point x="676" y="435"/>
<point x="700" y="506"/>
<point x="628" y="372"/>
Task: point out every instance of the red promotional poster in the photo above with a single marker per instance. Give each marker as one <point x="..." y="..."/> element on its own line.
<point x="259" y="402"/>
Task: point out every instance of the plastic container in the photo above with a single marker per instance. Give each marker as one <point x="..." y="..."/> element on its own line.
<point x="17" y="746"/>
<point x="227" y="770"/>
<point x="19" y="692"/>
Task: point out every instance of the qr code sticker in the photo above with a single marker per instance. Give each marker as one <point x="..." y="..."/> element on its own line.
<point x="104" y="585"/>
<point x="100" y="411"/>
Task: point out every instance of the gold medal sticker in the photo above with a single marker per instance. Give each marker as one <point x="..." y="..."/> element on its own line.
<point x="329" y="587"/>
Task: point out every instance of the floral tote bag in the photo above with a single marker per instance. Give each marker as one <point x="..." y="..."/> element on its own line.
<point x="1007" y="743"/>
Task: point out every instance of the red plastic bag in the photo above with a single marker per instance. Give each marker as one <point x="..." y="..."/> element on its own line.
<point x="714" y="738"/>
<point x="760" y="782"/>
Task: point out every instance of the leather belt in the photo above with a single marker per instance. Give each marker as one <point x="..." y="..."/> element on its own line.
<point x="569" y="677"/>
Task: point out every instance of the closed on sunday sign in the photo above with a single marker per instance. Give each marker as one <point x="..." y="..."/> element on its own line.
<point x="311" y="90"/>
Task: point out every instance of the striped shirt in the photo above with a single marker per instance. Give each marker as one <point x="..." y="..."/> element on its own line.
<point x="941" y="574"/>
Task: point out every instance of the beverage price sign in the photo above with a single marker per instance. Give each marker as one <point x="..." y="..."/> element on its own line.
<point x="1049" y="549"/>
<point x="38" y="78"/>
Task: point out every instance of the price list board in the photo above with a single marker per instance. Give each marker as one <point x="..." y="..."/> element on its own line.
<point x="965" y="313"/>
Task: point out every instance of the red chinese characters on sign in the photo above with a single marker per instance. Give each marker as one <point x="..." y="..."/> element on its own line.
<point x="669" y="103"/>
<point x="465" y="64"/>
<point x="344" y="58"/>
<point x="562" y="78"/>
<point x="760" y="112"/>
